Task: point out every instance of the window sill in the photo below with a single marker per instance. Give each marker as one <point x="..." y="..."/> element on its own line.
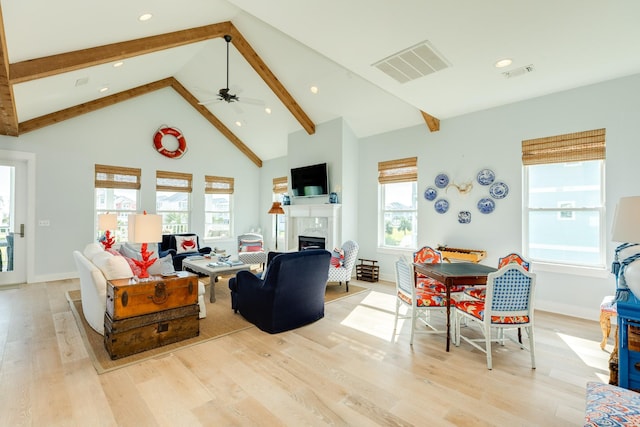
<point x="597" y="272"/>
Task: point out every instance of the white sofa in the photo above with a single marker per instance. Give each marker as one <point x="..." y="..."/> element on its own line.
<point x="95" y="267"/>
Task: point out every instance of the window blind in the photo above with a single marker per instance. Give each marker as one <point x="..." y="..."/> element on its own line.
<point x="218" y="185"/>
<point x="401" y="170"/>
<point x="174" y="181"/>
<point x="280" y="185"/>
<point x="571" y="147"/>
<point x="117" y="177"/>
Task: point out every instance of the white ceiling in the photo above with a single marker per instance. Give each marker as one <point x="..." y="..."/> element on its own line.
<point x="332" y="44"/>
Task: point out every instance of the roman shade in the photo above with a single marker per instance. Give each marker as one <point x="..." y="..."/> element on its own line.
<point x="218" y="185"/>
<point x="117" y="177"/>
<point x="401" y="170"/>
<point x="571" y="147"/>
<point x="173" y="181"/>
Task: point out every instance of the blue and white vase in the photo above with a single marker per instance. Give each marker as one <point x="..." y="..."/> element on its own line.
<point x="333" y="198"/>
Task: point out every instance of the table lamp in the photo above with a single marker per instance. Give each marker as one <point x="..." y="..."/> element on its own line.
<point x="144" y="228"/>
<point x="106" y="223"/>
<point x="626" y="228"/>
<point x="276" y="209"/>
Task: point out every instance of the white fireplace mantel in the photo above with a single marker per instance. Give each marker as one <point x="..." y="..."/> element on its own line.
<point x="312" y="220"/>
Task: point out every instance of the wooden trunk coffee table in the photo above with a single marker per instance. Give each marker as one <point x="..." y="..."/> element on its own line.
<point x="201" y="265"/>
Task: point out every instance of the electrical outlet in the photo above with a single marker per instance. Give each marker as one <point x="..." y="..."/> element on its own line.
<point x="43" y="223"/>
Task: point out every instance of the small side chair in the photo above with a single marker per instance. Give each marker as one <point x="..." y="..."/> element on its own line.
<point x="508" y="305"/>
<point x="342" y="270"/>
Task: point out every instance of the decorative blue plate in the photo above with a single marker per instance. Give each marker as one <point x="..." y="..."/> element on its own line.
<point x="442" y="180"/>
<point x="464" y="217"/>
<point x="441" y="206"/>
<point x="499" y="190"/>
<point x="430" y="193"/>
<point x="486" y="205"/>
<point x="486" y="177"/>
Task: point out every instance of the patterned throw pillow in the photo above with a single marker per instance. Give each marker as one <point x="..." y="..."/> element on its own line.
<point x="250" y="245"/>
<point x="186" y="244"/>
<point x="337" y="257"/>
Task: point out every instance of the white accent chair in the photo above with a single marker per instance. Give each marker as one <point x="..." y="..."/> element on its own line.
<point x="508" y="305"/>
<point x="419" y="302"/>
<point x="251" y="249"/>
<point x="344" y="272"/>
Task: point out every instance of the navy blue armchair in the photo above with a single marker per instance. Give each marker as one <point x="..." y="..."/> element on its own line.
<point x="290" y="295"/>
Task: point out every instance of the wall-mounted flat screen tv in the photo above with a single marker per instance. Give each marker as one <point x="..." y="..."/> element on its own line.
<point x="309" y="181"/>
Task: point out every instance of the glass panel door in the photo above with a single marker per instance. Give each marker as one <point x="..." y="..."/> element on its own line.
<point x="13" y="191"/>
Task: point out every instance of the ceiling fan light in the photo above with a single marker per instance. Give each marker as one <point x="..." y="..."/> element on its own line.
<point x="505" y="62"/>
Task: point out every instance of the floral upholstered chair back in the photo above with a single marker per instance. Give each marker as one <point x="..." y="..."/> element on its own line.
<point x="428" y="255"/>
<point x="513" y="257"/>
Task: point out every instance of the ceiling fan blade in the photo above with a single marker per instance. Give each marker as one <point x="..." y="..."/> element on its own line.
<point x="209" y="101"/>
<point x="251" y="101"/>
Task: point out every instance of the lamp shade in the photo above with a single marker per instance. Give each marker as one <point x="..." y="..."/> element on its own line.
<point x="107" y="221"/>
<point x="145" y="228"/>
<point x="276" y="209"/>
<point x="626" y="221"/>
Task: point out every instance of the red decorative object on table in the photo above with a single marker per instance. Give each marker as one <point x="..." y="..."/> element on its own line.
<point x="146" y="261"/>
<point x="108" y="240"/>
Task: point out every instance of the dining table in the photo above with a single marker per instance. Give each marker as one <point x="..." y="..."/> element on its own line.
<point x="453" y="274"/>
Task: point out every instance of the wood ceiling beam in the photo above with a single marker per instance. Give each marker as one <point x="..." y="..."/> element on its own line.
<point x="8" y="116"/>
<point x="433" y="123"/>
<point x="204" y="111"/>
<point x="88" y="107"/>
<point x="270" y="79"/>
<point x="70" y="61"/>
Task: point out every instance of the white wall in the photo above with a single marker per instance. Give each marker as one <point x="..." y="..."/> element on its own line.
<point x="492" y="139"/>
<point x="122" y="135"/>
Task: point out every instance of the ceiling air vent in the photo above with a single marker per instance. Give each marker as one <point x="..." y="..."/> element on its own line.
<point x="82" y="81"/>
<point x="412" y="63"/>
<point x="517" y="72"/>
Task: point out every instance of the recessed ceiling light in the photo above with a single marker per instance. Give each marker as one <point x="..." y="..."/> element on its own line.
<point x="267" y="110"/>
<point x="145" y="17"/>
<point x="314" y="89"/>
<point x="104" y="89"/>
<point x="505" y="62"/>
<point x="238" y="123"/>
<point x="118" y="64"/>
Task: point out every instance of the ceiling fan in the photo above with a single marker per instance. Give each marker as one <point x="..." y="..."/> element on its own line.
<point x="224" y="94"/>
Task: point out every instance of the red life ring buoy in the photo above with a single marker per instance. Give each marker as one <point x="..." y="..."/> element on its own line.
<point x="182" y="144"/>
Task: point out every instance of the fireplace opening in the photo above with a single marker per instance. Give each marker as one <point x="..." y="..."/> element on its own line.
<point x="308" y="242"/>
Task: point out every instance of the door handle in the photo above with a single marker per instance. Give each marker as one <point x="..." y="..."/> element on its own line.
<point x="21" y="233"/>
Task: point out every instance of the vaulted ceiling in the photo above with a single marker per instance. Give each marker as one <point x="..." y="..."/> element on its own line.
<point x="58" y="55"/>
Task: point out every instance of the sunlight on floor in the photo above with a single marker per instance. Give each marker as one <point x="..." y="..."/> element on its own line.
<point x="374" y="316"/>
<point x="588" y="351"/>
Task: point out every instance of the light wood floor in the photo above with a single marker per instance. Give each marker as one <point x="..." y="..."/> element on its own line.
<point x="345" y="369"/>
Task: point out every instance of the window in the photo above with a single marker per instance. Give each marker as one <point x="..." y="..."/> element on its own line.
<point x="116" y="191"/>
<point x="280" y="187"/>
<point x="398" y="195"/>
<point x="173" y="201"/>
<point x="564" y="199"/>
<point x="217" y="206"/>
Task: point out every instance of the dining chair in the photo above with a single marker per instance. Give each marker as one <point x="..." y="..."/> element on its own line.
<point x="428" y="255"/>
<point x="508" y="305"/>
<point x="479" y="292"/>
<point x="419" y="302"/>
